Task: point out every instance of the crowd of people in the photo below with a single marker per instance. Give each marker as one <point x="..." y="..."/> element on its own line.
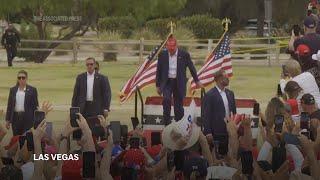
<point x="282" y="142"/>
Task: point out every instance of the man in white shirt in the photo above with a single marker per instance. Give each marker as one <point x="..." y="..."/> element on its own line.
<point x="92" y="92"/>
<point x="171" y="79"/>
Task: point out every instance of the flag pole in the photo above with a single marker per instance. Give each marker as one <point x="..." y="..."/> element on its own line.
<point x="225" y="22"/>
<point x="171" y="25"/>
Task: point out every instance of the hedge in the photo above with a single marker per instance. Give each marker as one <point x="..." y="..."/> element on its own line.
<point x="122" y="24"/>
<point x="159" y="26"/>
<point x="203" y="26"/>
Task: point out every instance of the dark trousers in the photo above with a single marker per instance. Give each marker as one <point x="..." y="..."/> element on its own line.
<point x="170" y="90"/>
<point x="90" y="110"/>
<point x="11" y="53"/>
<point x="19" y="124"/>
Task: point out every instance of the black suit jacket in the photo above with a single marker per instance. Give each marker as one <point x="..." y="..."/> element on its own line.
<point x="101" y="92"/>
<point x="214" y="111"/>
<point x="30" y="104"/>
<point x="183" y="61"/>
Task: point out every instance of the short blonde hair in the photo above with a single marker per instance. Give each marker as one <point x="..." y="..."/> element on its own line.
<point x="292" y="67"/>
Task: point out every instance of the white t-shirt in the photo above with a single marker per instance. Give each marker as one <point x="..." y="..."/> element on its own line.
<point x="308" y="84"/>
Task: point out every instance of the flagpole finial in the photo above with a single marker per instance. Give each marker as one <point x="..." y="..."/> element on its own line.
<point x="172" y="26"/>
<point x="226" y="22"/>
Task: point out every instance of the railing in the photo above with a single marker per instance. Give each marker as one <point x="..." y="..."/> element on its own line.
<point x="137" y="49"/>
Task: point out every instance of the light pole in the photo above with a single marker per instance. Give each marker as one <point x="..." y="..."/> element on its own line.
<point x="268" y="18"/>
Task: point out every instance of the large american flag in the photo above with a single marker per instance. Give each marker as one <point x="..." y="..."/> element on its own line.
<point x="145" y="75"/>
<point x="219" y="58"/>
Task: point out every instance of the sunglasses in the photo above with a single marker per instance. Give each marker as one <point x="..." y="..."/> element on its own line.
<point x="89" y="64"/>
<point x="21" y="77"/>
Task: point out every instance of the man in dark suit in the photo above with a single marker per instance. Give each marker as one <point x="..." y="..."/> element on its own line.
<point x="22" y="102"/>
<point x="171" y="78"/>
<point x="10" y="40"/>
<point x="92" y="92"/>
<point x="218" y="104"/>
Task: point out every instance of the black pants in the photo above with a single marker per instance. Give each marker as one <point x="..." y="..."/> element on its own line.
<point x="171" y="89"/>
<point x="11" y="53"/>
<point x="19" y="124"/>
<point x="91" y="110"/>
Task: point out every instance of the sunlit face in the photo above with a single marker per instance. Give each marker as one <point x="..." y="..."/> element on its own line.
<point x="223" y="80"/>
<point x="22" y="79"/>
<point x="90" y="65"/>
<point x="172" y="46"/>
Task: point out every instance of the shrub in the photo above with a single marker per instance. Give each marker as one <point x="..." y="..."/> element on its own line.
<point x="109" y="36"/>
<point x="122" y="24"/>
<point x="203" y="26"/>
<point x="182" y="33"/>
<point x="159" y="26"/>
<point x="147" y="34"/>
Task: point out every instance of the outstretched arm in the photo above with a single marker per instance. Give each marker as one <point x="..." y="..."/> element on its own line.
<point x="191" y="67"/>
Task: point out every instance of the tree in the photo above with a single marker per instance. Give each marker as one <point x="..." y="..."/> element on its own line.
<point x="260" y="17"/>
<point x="84" y="14"/>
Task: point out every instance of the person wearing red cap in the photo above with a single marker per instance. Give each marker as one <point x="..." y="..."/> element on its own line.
<point x="311" y="39"/>
<point x="171" y="78"/>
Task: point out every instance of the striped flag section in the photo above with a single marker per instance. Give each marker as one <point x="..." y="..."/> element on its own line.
<point x="145" y="75"/>
<point x="219" y="58"/>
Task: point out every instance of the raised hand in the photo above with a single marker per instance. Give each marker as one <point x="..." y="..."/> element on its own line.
<point x="40" y="131"/>
<point x="83" y="123"/>
<point x="103" y="121"/>
<point x="68" y="129"/>
<point x="46" y="107"/>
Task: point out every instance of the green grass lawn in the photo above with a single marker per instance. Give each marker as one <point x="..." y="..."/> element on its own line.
<point x="55" y="83"/>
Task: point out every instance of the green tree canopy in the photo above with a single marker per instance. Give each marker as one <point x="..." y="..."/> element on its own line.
<point x="88" y="10"/>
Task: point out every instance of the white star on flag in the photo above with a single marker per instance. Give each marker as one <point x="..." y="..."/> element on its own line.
<point x="158" y="120"/>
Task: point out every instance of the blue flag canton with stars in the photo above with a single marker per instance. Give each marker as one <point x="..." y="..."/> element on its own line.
<point x="224" y="48"/>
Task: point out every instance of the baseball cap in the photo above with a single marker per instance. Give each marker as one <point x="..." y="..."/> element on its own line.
<point x="303" y="50"/>
<point x="308" y="99"/>
<point x="195" y="164"/>
<point x="309" y="22"/>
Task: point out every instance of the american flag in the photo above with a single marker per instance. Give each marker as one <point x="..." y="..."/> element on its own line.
<point x="145" y="75"/>
<point x="220" y="58"/>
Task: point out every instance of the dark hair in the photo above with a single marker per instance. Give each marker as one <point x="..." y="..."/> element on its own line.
<point x="23" y="72"/>
<point x="219" y="73"/>
<point x="91" y="58"/>
<point x="11" y="172"/>
<point x="292" y="88"/>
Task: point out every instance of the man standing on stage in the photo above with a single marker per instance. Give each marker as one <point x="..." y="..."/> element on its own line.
<point x="10" y="40"/>
<point x="92" y="92"/>
<point x="171" y="78"/>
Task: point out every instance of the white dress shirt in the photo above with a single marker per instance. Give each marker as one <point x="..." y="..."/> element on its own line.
<point x="20" y="96"/>
<point x="173" y="65"/>
<point x="308" y="84"/>
<point x="225" y="101"/>
<point x="90" y="81"/>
